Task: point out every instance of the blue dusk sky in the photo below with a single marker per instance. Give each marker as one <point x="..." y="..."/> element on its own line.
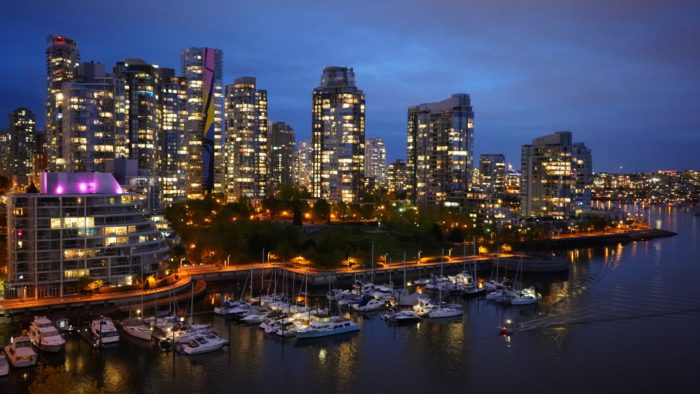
<point x="624" y="76"/>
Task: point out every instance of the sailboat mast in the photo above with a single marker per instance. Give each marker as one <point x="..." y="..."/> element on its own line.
<point x="372" y="257"/>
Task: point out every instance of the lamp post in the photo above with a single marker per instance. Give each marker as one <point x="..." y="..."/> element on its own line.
<point x="418" y="261"/>
<point x="227" y="260"/>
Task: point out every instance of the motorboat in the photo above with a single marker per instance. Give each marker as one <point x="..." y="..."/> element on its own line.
<point x="4" y="366"/>
<point x="369" y="304"/>
<point x="204" y="343"/>
<point x="256" y="316"/>
<point x="136" y="329"/>
<point x="20" y="352"/>
<point x="45" y="336"/>
<point x="446" y="311"/>
<point x="226" y="307"/>
<point x="104" y="331"/>
<point x="401" y="317"/>
<point x="526" y="297"/>
<point x="424" y="307"/>
<point x="500" y="296"/>
<point x="336" y="325"/>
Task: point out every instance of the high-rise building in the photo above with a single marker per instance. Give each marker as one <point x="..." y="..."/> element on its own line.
<point x="338" y="136"/>
<point x="141" y="86"/>
<point x="375" y="163"/>
<point x="22" y="143"/>
<point x="246" y="139"/>
<point x="202" y="69"/>
<point x="397" y="178"/>
<point x="62" y="60"/>
<point x="282" y="152"/>
<point x="92" y="123"/>
<point x="172" y="157"/>
<point x="79" y="225"/>
<point x="5" y="141"/>
<point x="440" y="150"/>
<point x="492" y="172"/>
<point x="556" y="177"/>
<point x="304" y="160"/>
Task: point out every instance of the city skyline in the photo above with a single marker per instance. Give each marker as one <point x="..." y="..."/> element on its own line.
<point x="617" y="74"/>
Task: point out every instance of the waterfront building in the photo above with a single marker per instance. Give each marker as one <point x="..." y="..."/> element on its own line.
<point x="22" y="144"/>
<point x="172" y="150"/>
<point x="246" y="139"/>
<point x="202" y="70"/>
<point x="304" y="160"/>
<point x="492" y="173"/>
<point x="397" y="178"/>
<point x="92" y="120"/>
<point x="338" y="136"/>
<point x="440" y="150"/>
<point x="79" y="225"/>
<point x="62" y="60"/>
<point x="556" y="177"/>
<point x="282" y="153"/>
<point x="375" y="163"/>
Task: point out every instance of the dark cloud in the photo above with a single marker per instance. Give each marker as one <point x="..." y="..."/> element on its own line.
<point x="621" y="74"/>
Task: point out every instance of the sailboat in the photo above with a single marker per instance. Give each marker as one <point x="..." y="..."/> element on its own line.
<point x="452" y="310"/>
<point x="526" y="296"/>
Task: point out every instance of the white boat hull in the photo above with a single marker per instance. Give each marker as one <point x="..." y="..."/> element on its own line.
<point x="140" y="332"/>
<point x="326" y="333"/>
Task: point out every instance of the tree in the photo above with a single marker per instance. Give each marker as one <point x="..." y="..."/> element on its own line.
<point x="322" y="210"/>
<point x="296" y="209"/>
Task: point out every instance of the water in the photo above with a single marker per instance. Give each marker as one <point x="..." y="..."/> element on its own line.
<point x="625" y="319"/>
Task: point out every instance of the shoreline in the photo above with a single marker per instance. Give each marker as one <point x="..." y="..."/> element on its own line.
<point x="580" y="240"/>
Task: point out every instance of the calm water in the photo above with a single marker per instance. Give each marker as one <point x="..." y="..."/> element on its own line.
<point x="626" y="319"/>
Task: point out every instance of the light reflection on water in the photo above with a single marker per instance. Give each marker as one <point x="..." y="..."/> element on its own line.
<point x="620" y="310"/>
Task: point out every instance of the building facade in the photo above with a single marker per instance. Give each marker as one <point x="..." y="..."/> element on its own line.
<point x="173" y="160"/>
<point x="440" y="150"/>
<point x="304" y="162"/>
<point x="338" y="137"/>
<point x="62" y="60"/>
<point x="78" y="225"/>
<point x="556" y="177"/>
<point x="282" y="154"/>
<point x="202" y="70"/>
<point x="22" y="143"/>
<point x="246" y="139"/>
<point x="92" y="121"/>
<point x="140" y="82"/>
<point x="492" y="173"/>
<point x="375" y="163"/>
<point x="397" y="178"/>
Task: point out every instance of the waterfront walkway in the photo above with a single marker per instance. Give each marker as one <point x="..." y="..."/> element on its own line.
<point x="29" y="305"/>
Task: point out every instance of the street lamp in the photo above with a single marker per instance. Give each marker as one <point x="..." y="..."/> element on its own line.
<point x="227" y="260"/>
<point x="419" y="252"/>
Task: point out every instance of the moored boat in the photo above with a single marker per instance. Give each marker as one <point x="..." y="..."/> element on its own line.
<point x="203" y="343"/>
<point x="4" y="366"/>
<point x="20" y="352"/>
<point x="336" y="325"/>
<point x="103" y="331"/>
<point x="45" y="336"/>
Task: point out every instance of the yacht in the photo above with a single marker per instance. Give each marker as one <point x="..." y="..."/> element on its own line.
<point x="256" y="316"/>
<point x="4" y="366"/>
<point x="526" y="297"/>
<point x="203" y="343"/>
<point x="336" y="325"/>
<point x="20" y="352"/>
<point x="401" y="317"/>
<point x="424" y="307"/>
<point x="104" y="331"/>
<point x="500" y="296"/>
<point x="136" y="329"/>
<point x="45" y="336"/>
<point x="369" y="304"/>
<point x="226" y="307"/>
<point x="446" y="311"/>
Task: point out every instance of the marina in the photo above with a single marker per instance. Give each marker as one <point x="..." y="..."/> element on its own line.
<point x="583" y="305"/>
